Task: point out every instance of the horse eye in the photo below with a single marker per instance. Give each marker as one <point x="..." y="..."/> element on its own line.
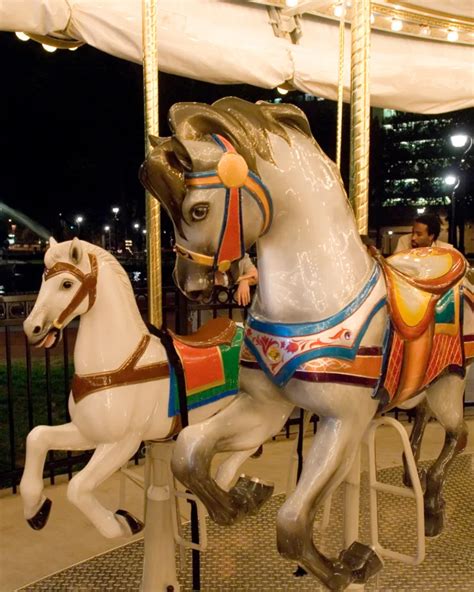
<point x="67" y="284"/>
<point x="199" y="212"/>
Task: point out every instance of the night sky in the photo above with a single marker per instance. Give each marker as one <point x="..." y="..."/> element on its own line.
<point x="72" y="130"/>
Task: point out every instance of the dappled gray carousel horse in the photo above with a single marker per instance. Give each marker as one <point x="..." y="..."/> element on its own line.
<point x="331" y="329"/>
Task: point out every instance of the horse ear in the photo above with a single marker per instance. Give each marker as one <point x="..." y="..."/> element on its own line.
<point x="154" y="140"/>
<point x="75" y="251"/>
<point x="52" y="242"/>
<point x="182" y="154"/>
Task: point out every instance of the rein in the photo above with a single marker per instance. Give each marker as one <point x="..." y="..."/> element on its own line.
<point x="87" y="288"/>
<point x="233" y="174"/>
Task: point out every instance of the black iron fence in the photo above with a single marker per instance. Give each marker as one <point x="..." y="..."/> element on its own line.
<point x="35" y="383"/>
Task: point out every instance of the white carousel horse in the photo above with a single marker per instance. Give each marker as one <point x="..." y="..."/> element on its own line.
<point x="319" y="330"/>
<point x="121" y="393"/>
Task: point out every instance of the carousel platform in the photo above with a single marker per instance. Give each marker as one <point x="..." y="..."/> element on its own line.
<point x="244" y="557"/>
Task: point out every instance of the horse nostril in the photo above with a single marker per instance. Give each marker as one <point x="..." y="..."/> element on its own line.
<point x="37" y="330"/>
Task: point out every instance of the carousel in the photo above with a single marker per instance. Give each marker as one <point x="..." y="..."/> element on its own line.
<point x="335" y="330"/>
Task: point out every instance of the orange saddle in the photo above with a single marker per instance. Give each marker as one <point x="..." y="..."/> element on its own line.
<point x="417" y="280"/>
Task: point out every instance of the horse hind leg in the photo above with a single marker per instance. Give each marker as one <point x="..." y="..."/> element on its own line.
<point x="242" y="426"/>
<point x="36" y="506"/>
<point x="445" y="399"/>
<point x="422" y="417"/>
<point x="107" y="459"/>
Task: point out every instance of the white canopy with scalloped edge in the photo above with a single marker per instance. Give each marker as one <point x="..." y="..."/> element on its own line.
<point x="231" y="41"/>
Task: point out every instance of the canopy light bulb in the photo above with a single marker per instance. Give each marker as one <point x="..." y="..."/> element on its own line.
<point x="282" y="91"/>
<point x="372" y="18"/>
<point x="453" y="35"/>
<point x="73" y="48"/>
<point x="22" y="36"/>
<point x="49" y="48"/>
<point x="339" y="10"/>
<point x="425" y="30"/>
<point x="459" y="140"/>
<point x="397" y="24"/>
<point x="291" y="3"/>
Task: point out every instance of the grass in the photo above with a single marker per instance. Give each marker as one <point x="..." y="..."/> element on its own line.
<point x="29" y="409"/>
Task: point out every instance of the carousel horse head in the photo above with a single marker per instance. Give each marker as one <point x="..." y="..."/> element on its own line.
<point x="68" y="290"/>
<point x="207" y="178"/>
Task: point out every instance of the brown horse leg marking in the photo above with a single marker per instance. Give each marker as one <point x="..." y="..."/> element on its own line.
<point x="434" y="503"/>
<point x="421" y="421"/>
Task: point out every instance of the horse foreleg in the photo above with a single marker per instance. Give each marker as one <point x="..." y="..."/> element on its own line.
<point x="445" y="399"/>
<point x="422" y="417"/>
<point x="243" y="426"/>
<point x="40" y="440"/>
<point x="326" y="465"/>
<point x="107" y="459"/>
<point x="229" y="467"/>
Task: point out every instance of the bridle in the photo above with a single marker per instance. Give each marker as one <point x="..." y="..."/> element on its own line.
<point x="87" y="288"/>
<point x="233" y="174"/>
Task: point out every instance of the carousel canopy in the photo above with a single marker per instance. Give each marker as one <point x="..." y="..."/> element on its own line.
<point x="268" y="43"/>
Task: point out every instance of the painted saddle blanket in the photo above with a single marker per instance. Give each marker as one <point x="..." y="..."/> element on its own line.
<point x="423" y="338"/>
<point x="210" y="373"/>
<point x="326" y="351"/>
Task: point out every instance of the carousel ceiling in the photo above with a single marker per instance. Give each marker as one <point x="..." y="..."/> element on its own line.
<point x="421" y="52"/>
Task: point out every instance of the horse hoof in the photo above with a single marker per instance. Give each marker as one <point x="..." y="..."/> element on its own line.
<point x="340" y="578"/>
<point x="362" y="560"/>
<point x="434" y="523"/>
<point x="134" y="524"/>
<point x="39" y="520"/>
<point x="250" y="494"/>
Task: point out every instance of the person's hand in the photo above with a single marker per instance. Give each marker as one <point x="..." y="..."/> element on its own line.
<point x="243" y="293"/>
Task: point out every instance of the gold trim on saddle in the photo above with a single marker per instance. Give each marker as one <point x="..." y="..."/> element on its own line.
<point x="219" y="331"/>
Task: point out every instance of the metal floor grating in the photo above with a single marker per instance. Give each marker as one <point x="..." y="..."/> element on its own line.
<point x="244" y="558"/>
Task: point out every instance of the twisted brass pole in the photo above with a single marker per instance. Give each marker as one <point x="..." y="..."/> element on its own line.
<point x="340" y="90"/>
<point x="150" y="84"/>
<point x="360" y="113"/>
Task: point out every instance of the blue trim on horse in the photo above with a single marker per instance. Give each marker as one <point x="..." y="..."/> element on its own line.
<point x="338" y="352"/>
<point x="218" y="141"/>
<point x="301" y="329"/>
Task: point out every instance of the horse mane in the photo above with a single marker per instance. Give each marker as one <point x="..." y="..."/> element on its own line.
<point x="246" y="125"/>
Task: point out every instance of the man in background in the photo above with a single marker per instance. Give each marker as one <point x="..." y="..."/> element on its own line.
<point x="425" y="232"/>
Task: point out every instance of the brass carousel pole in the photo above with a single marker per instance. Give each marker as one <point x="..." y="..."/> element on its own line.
<point x="159" y="540"/>
<point x="360" y="113"/>
<point x="150" y="84"/>
<point x="358" y="192"/>
<point x="340" y="89"/>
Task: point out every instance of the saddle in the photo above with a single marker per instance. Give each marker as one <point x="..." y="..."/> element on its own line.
<point x="210" y="363"/>
<point x="416" y="279"/>
<point x="219" y="331"/>
<point x="424" y="303"/>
